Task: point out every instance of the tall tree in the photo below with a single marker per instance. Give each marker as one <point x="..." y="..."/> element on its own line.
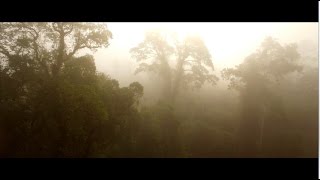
<point x="53" y="102"/>
<point x="254" y="78"/>
<point x="180" y="63"/>
<point x="49" y="45"/>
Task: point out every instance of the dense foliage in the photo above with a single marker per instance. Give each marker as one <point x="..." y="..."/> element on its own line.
<point x="54" y="103"/>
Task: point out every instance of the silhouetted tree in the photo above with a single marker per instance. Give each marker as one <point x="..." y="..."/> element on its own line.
<point x="254" y="79"/>
<point x="53" y="102"/>
<point x="179" y="63"/>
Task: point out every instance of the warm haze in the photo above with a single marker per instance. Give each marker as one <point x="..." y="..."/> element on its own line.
<point x="158" y="90"/>
<point x="229" y="43"/>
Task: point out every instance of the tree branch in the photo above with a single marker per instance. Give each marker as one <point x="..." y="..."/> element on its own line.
<point x="55" y="28"/>
<point x="35" y="35"/>
<point x="70" y="30"/>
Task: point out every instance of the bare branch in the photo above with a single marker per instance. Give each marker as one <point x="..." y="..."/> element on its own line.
<point x="70" y="30"/>
<point x="35" y="35"/>
<point x="75" y="50"/>
<point x="55" y="27"/>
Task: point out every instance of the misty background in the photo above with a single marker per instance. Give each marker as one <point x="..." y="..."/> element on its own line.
<point x="158" y="89"/>
<point x="228" y="43"/>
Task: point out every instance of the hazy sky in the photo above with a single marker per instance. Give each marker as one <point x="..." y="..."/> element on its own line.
<point x="228" y="43"/>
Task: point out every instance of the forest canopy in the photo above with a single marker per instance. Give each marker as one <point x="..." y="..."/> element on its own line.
<point x="54" y="102"/>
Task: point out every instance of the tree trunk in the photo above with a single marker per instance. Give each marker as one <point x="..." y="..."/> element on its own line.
<point x="177" y="82"/>
<point x="61" y="52"/>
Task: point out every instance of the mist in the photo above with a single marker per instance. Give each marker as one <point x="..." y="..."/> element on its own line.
<point x="159" y="90"/>
<point x="229" y="43"/>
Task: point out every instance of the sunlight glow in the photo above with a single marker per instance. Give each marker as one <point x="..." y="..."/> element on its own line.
<point x="228" y="43"/>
